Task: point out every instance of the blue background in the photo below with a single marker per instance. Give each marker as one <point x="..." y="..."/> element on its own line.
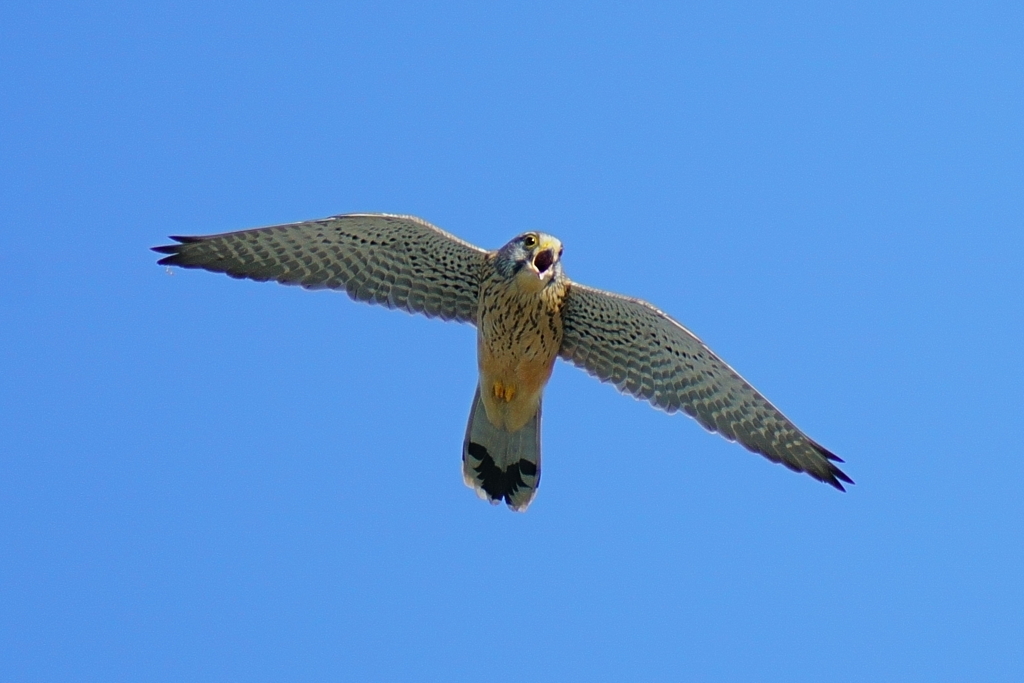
<point x="205" y="479"/>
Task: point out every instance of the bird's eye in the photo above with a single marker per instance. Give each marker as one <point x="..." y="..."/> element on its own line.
<point x="530" y="241"/>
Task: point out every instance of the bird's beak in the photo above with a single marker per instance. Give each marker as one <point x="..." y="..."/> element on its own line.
<point x="546" y="256"/>
<point x="544" y="260"/>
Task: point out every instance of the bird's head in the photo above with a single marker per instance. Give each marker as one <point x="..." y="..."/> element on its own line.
<point x="534" y="259"/>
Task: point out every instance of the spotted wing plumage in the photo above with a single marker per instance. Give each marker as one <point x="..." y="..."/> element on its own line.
<point x="647" y="354"/>
<point x="397" y="261"/>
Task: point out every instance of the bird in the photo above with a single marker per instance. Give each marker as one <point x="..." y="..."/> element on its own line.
<point x="527" y="313"/>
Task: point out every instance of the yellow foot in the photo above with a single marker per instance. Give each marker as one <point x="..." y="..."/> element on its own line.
<point x="504" y="392"/>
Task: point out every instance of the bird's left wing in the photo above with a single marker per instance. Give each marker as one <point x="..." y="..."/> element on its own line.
<point x="644" y="352"/>
<point x="397" y="261"/>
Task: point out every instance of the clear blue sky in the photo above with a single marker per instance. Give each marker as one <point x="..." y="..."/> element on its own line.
<point x="204" y="479"/>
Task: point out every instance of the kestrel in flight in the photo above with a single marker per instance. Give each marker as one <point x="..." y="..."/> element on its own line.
<point x="527" y="314"/>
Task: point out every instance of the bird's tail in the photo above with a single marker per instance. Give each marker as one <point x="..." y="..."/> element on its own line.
<point x="501" y="465"/>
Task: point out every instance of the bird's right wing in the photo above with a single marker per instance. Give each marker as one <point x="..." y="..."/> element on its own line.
<point x="397" y="261"/>
<point x="644" y="352"/>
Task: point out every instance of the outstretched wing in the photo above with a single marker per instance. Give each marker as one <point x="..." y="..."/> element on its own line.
<point x="645" y="353"/>
<point x="398" y="261"/>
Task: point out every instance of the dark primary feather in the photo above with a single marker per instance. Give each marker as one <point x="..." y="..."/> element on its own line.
<point x="647" y="354"/>
<point x="397" y="261"/>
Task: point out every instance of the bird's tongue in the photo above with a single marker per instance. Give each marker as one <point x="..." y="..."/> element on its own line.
<point x="543" y="260"/>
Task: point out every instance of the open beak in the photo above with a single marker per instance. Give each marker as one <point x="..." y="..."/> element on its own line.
<point x="547" y="256"/>
<point x="544" y="259"/>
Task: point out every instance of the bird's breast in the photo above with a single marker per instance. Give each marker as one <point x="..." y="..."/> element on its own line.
<point x="518" y="338"/>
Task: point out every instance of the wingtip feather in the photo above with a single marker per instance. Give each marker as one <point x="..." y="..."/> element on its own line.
<point x="839" y="474"/>
<point x="835" y="484"/>
<point x="834" y="473"/>
<point x="833" y="477"/>
<point x="174" y="250"/>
